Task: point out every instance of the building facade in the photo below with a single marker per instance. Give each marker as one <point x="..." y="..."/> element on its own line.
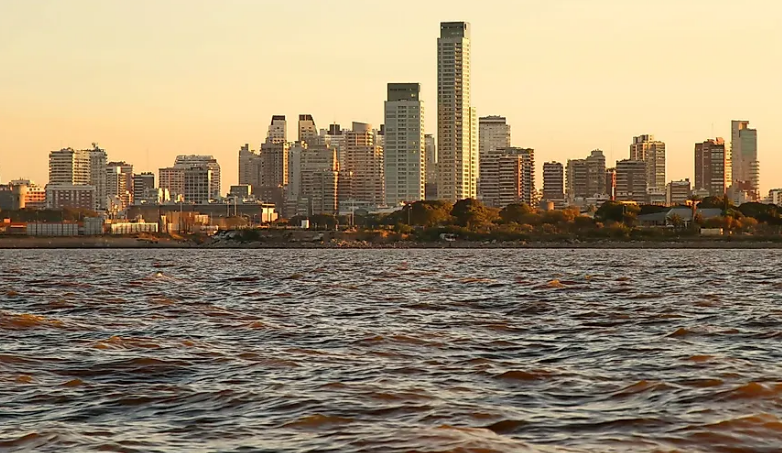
<point x="711" y="167"/>
<point x="364" y="161"/>
<point x="510" y="177"/>
<point x="678" y="192"/>
<point x="142" y="183"/>
<point x="457" y="132"/>
<point x="193" y="161"/>
<point x="652" y="152"/>
<point x="586" y="177"/>
<point x="743" y="159"/>
<point x="74" y="196"/>
<point x="404" y="148"/>
<point x="554" y="183"/>
<point x="631" y="181"/>
<point x="119" y="184"/>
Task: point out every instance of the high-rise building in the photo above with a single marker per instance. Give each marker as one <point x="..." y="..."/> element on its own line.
<point x="611" y="183"/>
<point x="69" y="166"/>
<point x="334" y="136"/>
<point x="172" y="178"/>
<point x="308" y="133"/>
<point x="510" y="177"/>
<point x="586" y="177"/>
<point x="364" y="160"/>
<point x="678" y="192"/>
<point x="119" y="184"/>
<point x="142" y="184"/>
<point x="494" y="134"/>
<point x="554" y="183"/>
<point x="98" y="161"/>
<point x="711" y="163"/>
<point x="198" y="184"/>
<point x="249" y="167"/>
<point x="431" y="167"/>
<point x="203" y="161"/>
<point x="631" y="181"/>
<point x="278" y="130"/>
<point x="457" y="132"/>
<point x="404" y="147"/>
<point x="652" y="152"/>
<point x="274" y="159"/>
<point x="744" y="161"/>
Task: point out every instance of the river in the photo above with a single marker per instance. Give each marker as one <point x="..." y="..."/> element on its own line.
<point x="391" y="351"/>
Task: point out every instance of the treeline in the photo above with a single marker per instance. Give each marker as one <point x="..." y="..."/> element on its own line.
<point x="471" y="219"/>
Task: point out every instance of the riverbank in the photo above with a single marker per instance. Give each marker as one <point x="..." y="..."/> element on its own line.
<point x="170" y="243"/>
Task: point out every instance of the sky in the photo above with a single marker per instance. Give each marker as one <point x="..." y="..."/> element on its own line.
<point x="150" y="79"/>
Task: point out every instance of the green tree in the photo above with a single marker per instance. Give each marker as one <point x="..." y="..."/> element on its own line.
<point x="676" y="221"/>
<point x="516" y="213"/>
<point x="612" y="211"/>
<point x="427" y="213"/>
<point x="473" y="214"/>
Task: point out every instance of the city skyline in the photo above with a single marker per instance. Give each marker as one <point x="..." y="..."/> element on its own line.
<point x="141" y="115"/>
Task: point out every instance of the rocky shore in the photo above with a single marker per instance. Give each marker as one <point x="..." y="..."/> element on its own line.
<point x="169" y="243"/>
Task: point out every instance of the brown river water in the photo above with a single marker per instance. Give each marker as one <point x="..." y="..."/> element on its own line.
<point x="391" y="351"/>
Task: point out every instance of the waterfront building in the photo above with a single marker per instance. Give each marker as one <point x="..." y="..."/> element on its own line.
<point x="586" y="177"/>
<point x="554" y="184"/>
<point x="744" y="164"/>
<point x="198" y="184"/>
<point x="404" y="147"/>
<point x="70" y="167"/>
<point x="249" y="167"/>
<point x="652" y="152"/>
<point x="457" y="129"/>
<point x="364" y="160"/>
<point x="142" y="183"/>
<point x="119" y="184"/>
<point x="631" y="181"/>
<point x="678" y="192"/>
<point x="510" y="177"/>
<point x="98" y="160"/>
<point x="76" y="196"/>
<point x="711" y="163"/>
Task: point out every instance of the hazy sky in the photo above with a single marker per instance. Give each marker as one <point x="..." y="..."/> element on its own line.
<point x="150" y="79"/>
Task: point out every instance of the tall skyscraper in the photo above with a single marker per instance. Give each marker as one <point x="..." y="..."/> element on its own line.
<point x="364" y="161"/>
<point x="98" y="160"/>
<point x="308" y="133"/>
<point x="457" y="133"/>
<point x="711" y="163"/>
<point x="278" y="130"/>
<point x="554" y="183"/>
<point x="404" y="149"/>
<point x="652" y="152"/>
<point x="744" y="161"/>
<point x="631" y="180"/>
<point x="510" y="177"/>
<point x="173" y="178"/>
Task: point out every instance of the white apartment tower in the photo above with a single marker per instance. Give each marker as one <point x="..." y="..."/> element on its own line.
<point x="457" y="128"/>
<point x="404" y="151"/>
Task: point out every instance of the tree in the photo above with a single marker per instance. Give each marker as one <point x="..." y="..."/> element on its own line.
<point x="617" y="212"/>
<point x="676" y="221"/>
<point x="427" y="213"/>
<point x="516" y="213"/>
<point x="473" y="214"/>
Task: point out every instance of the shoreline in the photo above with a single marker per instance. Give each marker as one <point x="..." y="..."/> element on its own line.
<point x="58" y="243"/>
